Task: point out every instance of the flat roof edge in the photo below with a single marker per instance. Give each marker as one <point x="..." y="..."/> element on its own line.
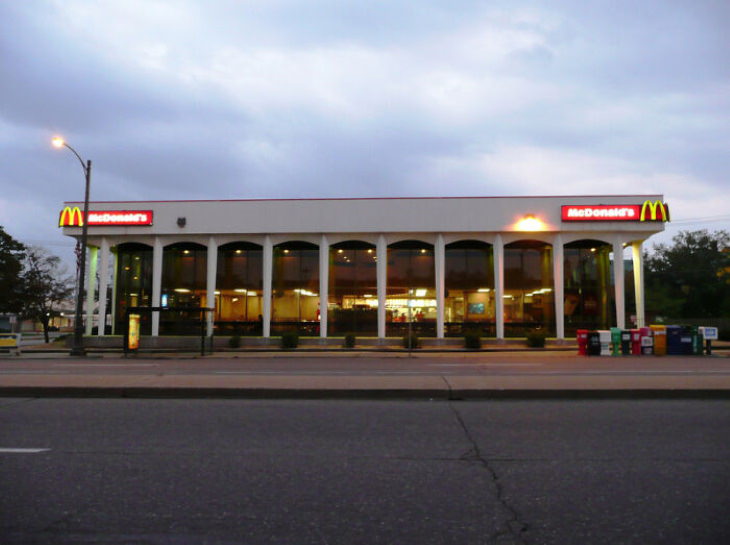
<point x="642" y="195"/>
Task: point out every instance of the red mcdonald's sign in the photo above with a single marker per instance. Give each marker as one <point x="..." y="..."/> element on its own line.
<point x="648" y="211"/>
<point x="73" y="217"/>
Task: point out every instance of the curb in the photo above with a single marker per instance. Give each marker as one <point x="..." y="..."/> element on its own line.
<point x="355" y="394"/>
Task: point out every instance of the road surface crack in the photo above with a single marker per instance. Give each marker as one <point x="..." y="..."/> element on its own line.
<point x="514" y="528"/>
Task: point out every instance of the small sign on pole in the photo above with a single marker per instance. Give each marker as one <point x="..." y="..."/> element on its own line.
<point x="710" y="334"/>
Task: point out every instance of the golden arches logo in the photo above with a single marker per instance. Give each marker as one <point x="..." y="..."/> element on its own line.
<point x="658" y="211"/>
<point x="71" y="217"/>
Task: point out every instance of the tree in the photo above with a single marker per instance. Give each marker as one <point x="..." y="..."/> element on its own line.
<point x="44" y="287"/>
<point x="12" y="253"/>
<point x="690" y="278"/>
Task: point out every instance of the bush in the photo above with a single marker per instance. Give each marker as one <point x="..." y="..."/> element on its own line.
<point x="235" y="341"/>
<point x="289" y="340"/>
<point x="536" y="338"/>
<point x="473" y="339"/>
<point x="350" y="340"/>
<point x="62" y="338"/>
<point x="411" y="341"/>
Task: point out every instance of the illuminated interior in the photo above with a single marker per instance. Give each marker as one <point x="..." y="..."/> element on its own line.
<point x="469" y="282"/>
<point x="411" y="289"/>
<point x="589" y="293"/>
<point x="134" y="283"/>
<point x="353" y="291"/>
<point x="295" y="305"/>
<point x="529" y="299"/>
<point x="183" y="286"/>
<point x="239" y="289"/>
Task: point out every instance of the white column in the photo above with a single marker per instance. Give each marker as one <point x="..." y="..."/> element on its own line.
<point x="440" y="264"/>
<point x="324" y="270"/>
<point x="103" y="283"/>
<point x="639" y="282"/>
<point x="382" y="276"/>
<point x="156" y="284"/>
<point x="499" y="284"/>
<point x="91" y="288"/>
<point x="559" y="286"/>
<point x="618" y="282"/>
<point x="114" y="292"/>
<point x="268" y="272"/>
<point x="211" y="273"/>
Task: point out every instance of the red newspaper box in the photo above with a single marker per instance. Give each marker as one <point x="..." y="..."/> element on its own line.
<point x="647" y="341"/>
<point x="581" y="336"/>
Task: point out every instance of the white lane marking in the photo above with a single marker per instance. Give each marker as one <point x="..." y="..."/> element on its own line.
<point x="103" y="365"/>
<point x="27" y="372"/>
<point x="476" y="364"/>
<point x="22" y="450"/>
<point x="324" y="373"/>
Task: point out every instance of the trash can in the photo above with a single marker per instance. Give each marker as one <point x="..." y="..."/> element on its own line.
<point x="697" y="341"/>
<point x="626" y="342"/>
<point x="674" y="340"/>
<point x="660" y="339"/>
<point x="615" y="341"/>
<point x="636" y="342"/>
<point x="647" y="341"/>
<point x="594" y="343"/>
<point x="581" y="336"/>
<point x="604" y="335"/>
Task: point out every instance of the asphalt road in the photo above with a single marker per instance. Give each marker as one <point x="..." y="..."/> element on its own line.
<point x="118" y="471"/>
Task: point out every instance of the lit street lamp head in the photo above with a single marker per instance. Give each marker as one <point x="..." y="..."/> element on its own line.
<point x="58" y="142"/>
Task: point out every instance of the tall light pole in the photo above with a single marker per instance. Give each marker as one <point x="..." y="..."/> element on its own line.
<point x="77" y="349"/>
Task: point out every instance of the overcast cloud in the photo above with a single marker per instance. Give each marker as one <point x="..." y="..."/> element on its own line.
<point x="276" y="98"/>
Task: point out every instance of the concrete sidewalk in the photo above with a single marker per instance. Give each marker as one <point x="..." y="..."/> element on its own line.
<point x="358" y="375"/>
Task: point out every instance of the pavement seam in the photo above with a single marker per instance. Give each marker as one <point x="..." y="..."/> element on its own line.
<point x="515" y="526"/>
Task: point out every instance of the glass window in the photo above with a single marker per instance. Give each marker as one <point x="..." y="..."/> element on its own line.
<point x="528" y="288"/>
<point x="183" y="286"/>
<point x="469" y="283"/>
<point x="411" y="289"/>
<point x="295" y="288"/>
<point x="239" y="288"/>
<point x="353" y="289"/>
<point x="588" y="288"/>
<point x="134" y="283"/>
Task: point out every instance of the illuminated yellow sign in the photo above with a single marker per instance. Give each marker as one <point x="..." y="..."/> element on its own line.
<point x="70" y="217"/>
<point x="133" y="331"/>
<point x="658" y="211"/>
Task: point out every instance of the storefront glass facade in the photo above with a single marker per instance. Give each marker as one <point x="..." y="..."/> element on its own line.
<point x="295" y="289"/>
<point x="589" y="293"/>
<point x="469" y="282"/>
<point x="134" y="283"/>
<point x="239" y="286"/>
<point x="353" y="289"/>
<point x="411" y="289"/>
<point x="529" y="301"/>
<point x="183" y="286"/>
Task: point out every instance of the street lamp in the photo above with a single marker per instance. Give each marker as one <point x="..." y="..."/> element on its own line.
<point x="77" y="349"/>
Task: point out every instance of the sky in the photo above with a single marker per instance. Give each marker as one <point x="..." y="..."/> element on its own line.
<point x="238" y="99"/>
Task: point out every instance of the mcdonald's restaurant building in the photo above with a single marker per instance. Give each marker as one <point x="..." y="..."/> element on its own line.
<point x="372" y="267"/>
